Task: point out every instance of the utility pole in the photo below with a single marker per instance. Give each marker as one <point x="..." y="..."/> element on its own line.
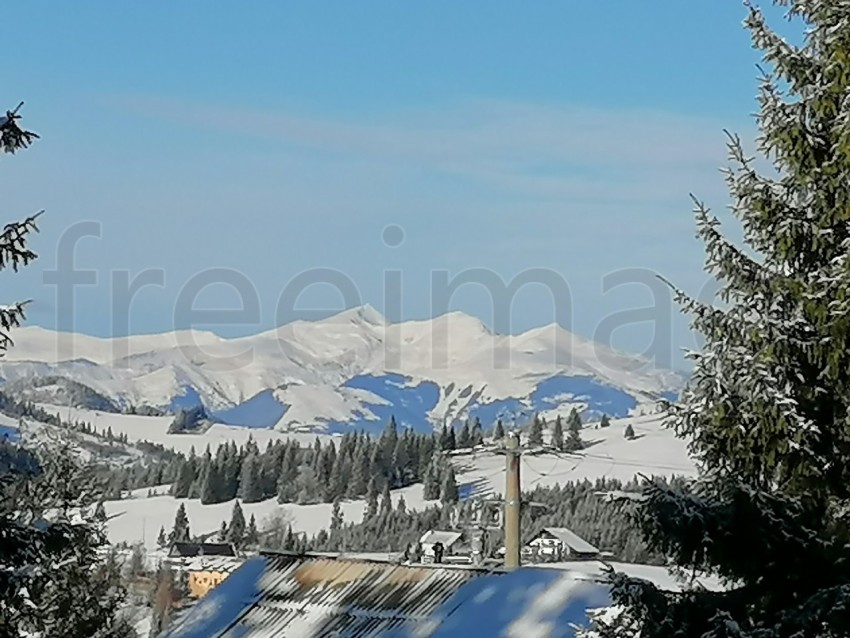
<point x="512" y="501"/>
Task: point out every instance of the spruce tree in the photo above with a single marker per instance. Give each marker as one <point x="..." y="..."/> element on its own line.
<point x="605" y="421"/>
<point x="336" y="516"/>
<point x="371" y="501"/>
<point x="161" y="539"/>
<point x="573" y="442"/>
<point x="477" y="432"/>
<point x="252" y="534"/>
<point x="535" y="432"/>
<point x="766" y="409"/>
<point x="250" y="482"/>
<point x="558" y="434"/>
<point x="431" y="484"/>
<point x="236" y="529"/>
<point x="386" y="506"/>
<point x="180" y="532"/>
<point x="464" y="439"/>
<point x="449" y="492"/>
<point x="629" y="432"/>
<point x="499" y="430"/>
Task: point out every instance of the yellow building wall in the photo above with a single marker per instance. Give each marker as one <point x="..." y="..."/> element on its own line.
<point x="201" y="583"/>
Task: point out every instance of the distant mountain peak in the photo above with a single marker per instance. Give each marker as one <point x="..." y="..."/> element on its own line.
<point x="360" y="314"/>
<point x="352" y="369"/>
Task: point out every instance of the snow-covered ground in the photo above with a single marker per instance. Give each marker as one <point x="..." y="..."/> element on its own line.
<point x="609" y="454"/>
<point x="154" y="429"/>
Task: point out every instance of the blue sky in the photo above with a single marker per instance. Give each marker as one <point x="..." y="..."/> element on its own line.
<point x="276" y="142"/>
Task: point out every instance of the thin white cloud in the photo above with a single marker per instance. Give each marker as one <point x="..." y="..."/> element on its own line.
<point x="544" y="151"/>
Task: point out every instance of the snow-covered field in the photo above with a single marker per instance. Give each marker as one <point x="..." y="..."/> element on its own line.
<point x="609" y="454"/>
<point x="154" y="429"/>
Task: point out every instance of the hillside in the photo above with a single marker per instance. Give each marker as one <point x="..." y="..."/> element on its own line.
<point x="351" y="370"/>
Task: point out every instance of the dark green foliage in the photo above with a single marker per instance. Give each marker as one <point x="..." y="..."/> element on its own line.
<point x="236" y="529"/>
<point x="573" y="505"/>
<point x="604" y="422"/>
<point x="766" y="410"/>
<point x="431" y="484"/>
<point x="535" y="431"/>
<point x="336" y="516"/>
<point x="250" y="483"/>
<point x="55" y="581"/>
<point x="574" y="425"/>
<point x="629" y="432"/>
<point x="180" y="531"/>
<point x="464" y="439"/>
<point x="252" y="534"/>
<point x="371" y="500"/>
<point x="448" y="486"/>
<point x="558" y="434"/>
<point x="161" y="539"/>
<point x="499" y="430"/>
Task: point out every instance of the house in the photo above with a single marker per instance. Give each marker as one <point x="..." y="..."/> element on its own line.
<point x="203" y="565"/>
<point x="307" y="596"/>
<point x="443" y="546"/>
<point x="557" y="544"/>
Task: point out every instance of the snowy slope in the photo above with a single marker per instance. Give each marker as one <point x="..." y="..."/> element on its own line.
<point x="351" y="370"/>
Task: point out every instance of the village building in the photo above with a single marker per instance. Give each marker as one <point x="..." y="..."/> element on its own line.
<point x="553" y="544"/>
<point x="202" y="566"/>
<point x="444" y="547"/>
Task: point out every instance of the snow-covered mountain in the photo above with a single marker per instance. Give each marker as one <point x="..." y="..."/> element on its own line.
<point x="353" y="369"/>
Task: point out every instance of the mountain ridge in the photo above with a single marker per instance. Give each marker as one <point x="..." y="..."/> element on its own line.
<point x="351" y="369"/>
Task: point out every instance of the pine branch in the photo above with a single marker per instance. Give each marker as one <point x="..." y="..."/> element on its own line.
<point x="12" y="136"/>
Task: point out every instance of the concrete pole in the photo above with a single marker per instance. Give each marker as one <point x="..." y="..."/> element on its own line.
<point x="512" y="501"/>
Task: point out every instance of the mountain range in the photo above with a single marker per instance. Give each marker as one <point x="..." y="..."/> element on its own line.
<point x="351" y="370"/>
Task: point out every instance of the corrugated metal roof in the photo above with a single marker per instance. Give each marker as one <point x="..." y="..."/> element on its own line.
<point x="571" y="540"/>
<point x="310" y="596"/>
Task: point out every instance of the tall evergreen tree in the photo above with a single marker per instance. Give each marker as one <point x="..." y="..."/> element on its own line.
<point x="535" y="432"/>
<point x="605" y="421"/>
<point x="252" y="534"/>
<point x="371" y="500"/>
<point x="161" y="539"/>
<point x="499" y="430"/>
<point x="558" y="434"/>
<point x="336" y="516"/>
<point x="477" y="432"/>
<point x="386" y="506"/>
<point x="449" y="492"/>
<point x="766" y="409"/>
<point x="236" y="529"/>
<point x="464" y="438"/>
<point x="180" y="531"/>
<point x="432" y="481"/>
<point x="573" y="442"/>
<point x="250" y="483"/>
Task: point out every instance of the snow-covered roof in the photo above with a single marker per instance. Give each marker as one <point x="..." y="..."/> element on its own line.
<point x="437" y="536"/>
<point x="309" y="597"/>
<point x="571" y="540"/>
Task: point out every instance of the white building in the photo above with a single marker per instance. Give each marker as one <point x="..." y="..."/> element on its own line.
<point x="451" y="542"/>
<point x="559" y="543"/>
